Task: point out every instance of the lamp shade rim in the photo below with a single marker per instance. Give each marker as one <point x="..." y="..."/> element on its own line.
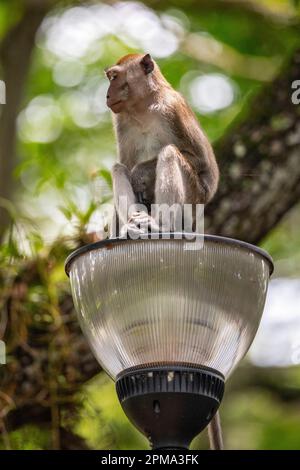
<point x="108" y="242"/>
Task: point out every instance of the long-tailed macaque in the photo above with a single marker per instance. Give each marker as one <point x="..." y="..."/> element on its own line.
<point x="164" y="156"/>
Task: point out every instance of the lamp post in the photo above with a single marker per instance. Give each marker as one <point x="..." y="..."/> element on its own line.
<point x="169" y="324"/>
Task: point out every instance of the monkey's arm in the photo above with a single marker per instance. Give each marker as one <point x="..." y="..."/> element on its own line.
<point x="130" y="215"/>
<point x="124" y="197"/>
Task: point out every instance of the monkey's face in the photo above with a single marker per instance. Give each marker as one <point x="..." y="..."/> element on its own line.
<point x="118" y="91"/>
<point x="129" y="82"/>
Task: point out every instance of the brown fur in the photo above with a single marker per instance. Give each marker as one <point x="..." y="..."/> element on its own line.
<point x="128" y="57"/>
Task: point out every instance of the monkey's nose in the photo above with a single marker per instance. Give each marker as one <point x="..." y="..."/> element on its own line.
<point x="107" y="96"/>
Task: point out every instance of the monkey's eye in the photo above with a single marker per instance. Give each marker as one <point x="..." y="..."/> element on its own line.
<point x="111" y="75"/>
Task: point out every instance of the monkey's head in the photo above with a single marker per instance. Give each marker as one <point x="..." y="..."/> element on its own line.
<point x="130" y="81"/>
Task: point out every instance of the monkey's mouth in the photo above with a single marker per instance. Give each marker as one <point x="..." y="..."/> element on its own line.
<point x="115" y="104"/>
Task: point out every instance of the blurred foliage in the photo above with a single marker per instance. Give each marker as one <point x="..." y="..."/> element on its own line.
<point x="103" y="423"/>
<point x="28" y="438"/>
<point x="66" y="148"/>
<point x="284" y="244"/>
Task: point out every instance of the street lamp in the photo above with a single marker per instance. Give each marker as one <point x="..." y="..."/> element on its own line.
<point x="169" y="323"/>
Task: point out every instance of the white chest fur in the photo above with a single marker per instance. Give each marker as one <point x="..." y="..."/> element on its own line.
<point x="146" y="140"/>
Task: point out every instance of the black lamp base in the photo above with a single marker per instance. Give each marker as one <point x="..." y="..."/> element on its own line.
<point x="169" y="404"/>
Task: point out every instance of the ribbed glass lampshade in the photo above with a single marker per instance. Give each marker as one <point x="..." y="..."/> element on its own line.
<point x="154" y="302"/>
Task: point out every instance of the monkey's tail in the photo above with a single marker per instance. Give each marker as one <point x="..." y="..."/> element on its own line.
<point x="139" y="197"/>
<point x="215" y="433"/>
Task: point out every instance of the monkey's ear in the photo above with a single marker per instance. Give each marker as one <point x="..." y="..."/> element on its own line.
<point x="147" y="64"/>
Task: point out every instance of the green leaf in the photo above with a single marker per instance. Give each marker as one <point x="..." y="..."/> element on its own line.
<point x="106" y="175"/>
<point x="66" y="212"/>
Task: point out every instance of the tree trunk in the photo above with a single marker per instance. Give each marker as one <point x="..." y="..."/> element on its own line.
<point x="259" y="164"/>
<point x="15" y="54"/>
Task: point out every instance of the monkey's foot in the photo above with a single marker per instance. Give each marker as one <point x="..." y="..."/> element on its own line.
<point x="130" y="230"/>
<point x="139" y="224"/>
<point x="144" y="221"/>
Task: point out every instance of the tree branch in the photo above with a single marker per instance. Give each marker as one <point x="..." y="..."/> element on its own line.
<point x="252" y="8"/>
